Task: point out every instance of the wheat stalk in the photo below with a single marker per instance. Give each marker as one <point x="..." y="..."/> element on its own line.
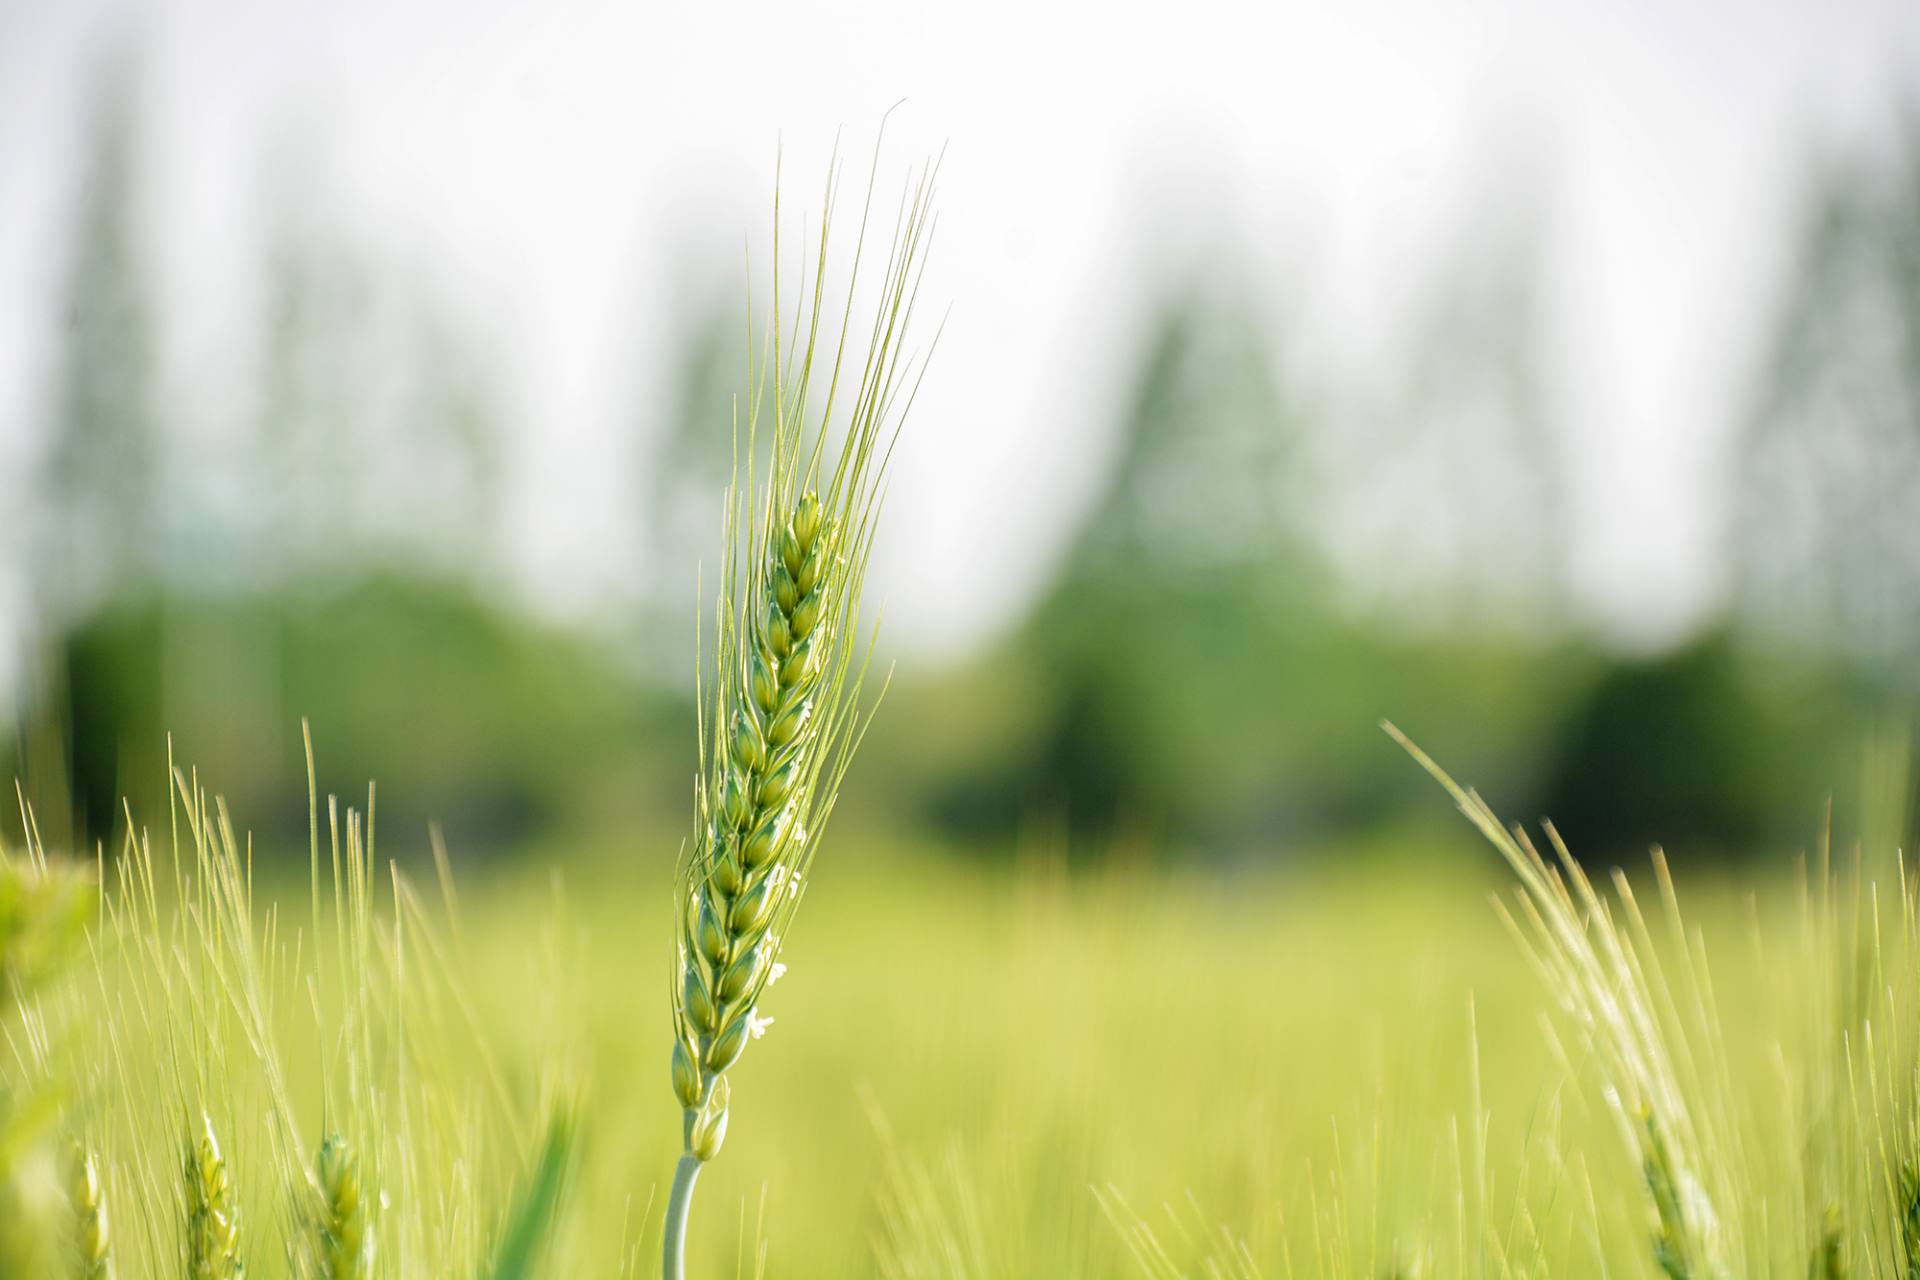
<point x="785" y="710"/>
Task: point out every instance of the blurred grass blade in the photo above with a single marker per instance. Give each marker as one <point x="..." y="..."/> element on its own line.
<point x="539" y="1205"/>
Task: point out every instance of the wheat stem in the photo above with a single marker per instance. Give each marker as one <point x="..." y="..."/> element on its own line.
<point x="679" y="1202"/>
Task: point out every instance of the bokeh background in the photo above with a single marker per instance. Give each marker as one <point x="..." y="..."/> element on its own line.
<point x="1544" y="379"/>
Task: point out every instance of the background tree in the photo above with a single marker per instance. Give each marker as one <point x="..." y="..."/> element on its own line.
<point x="103" y="477"/>
<point x="1826" y="541"/>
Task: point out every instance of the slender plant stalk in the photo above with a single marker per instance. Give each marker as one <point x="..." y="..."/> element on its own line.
<point x="785" y="701"/>
<point x="679" y="1203"/>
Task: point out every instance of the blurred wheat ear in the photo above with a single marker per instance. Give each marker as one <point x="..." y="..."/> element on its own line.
<point x="344" y="1242"/>
<point x="783" y="714"/>
<point x="1656" y="1041"/>
<point x="213" y="1215"/>
<point x="92" y="1239"/>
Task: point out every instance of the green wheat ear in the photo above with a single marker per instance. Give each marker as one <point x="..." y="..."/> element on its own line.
<point x="1829" y="1260"/>
<point x="1673" y="1232"/>
<point x="784" y="716"/>
<point x="93" y="1242"/>
<point x="1609" y="980"/>
<point x="213" y="1214"/>
<point x="1907" y="1186"/>
<point x="345" y="1244"/>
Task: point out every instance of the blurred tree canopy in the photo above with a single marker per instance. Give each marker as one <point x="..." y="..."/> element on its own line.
<point x="1270" y="567"/>
<point x="465" y="712"/>
<point x="689" y="463"/>
<point x="1828" y="555"/>
<point x="1454" y="493"/>
<point x="102" y="483"/>
<point x="348" y="583"/>
<point x="1193" y="671"/>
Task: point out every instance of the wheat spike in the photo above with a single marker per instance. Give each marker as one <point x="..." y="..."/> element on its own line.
<point x="755" y="845"/>
<point x="345" y="1244"/>
<point x="1606" y="974"/>
<point x="93" y="1239"/>
<point x="213" y="1216"/>
<point x="785" y="709"/>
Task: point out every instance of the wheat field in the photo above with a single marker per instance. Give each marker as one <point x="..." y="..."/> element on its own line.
<point x="1012" y="1069"/>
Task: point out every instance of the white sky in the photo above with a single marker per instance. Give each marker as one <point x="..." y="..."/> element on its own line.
<point x="566" y="174"/>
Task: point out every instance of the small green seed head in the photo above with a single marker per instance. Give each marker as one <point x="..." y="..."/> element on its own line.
<point x="686" y="1075"/>
<point x="792" y="554"/>
<point x="806" y="615"/>
<point x="806" y="519"/>
<point x="726" y="871"/>
<point x="785" y="594"/>
<point x="763" y="842"/>
<point x="777" y="785"/>
<point x="749" y="752"/>
<point x="1829" y="1260"/>
<point x="346" y="1246"/>
<point x="729" y="1044"/>
<point x="93" y="1241"/>
<point x="739" y="975"/>
<point x="710" y="934"/>
<point x="751" y="911"/>
<point x="819" y="560"/>
<point x="698" y="1004"/>
<point x="787" y="725"/>
<point x="798" y="665"/>
<point x="710" y="1127"/>
<point x="213" y="1217"/>
<point x="762" y="683"/>
<point x="735" y="807"/>
<point x="779" y="638"/>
